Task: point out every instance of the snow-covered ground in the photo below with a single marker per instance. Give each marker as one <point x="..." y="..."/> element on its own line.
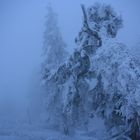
<point x="35" y="133"/>
<point x="25" y="131"/>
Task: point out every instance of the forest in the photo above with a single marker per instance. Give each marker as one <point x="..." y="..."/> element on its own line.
<point x="80" y="84"/>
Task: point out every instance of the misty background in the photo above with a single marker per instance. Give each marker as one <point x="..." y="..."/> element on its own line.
<point x="21" y="37"/>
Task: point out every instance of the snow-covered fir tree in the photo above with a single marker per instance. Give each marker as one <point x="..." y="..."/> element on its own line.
<point x="54" y="55"/>
<point x="100" y="80"/>
<point x="54" y="48"/>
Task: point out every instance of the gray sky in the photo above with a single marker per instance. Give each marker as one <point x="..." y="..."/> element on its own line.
<point x="22" y="26"/>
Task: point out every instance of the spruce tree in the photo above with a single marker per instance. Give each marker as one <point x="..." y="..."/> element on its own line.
<point x="54" y="48"/>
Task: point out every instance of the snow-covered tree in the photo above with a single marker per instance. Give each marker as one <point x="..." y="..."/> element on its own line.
<point x="54" y="55"/>
<point x="120" y="80"/>
<point x="100" y="78"/>
<point x="54" y="48"/>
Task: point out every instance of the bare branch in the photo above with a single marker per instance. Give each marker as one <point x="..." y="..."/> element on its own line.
<point x="85" y="16"/>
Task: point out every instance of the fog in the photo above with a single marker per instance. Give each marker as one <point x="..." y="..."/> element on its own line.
<point x="21" y="36"/>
